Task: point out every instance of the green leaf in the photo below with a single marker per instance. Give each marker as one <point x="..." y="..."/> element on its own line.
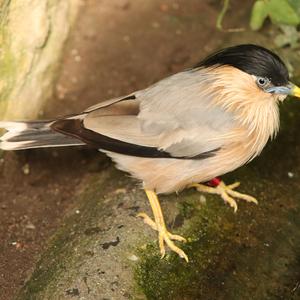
<point x="258" y="14"/>
<point x="296" y="5"/>
<point x="281" y="12"/>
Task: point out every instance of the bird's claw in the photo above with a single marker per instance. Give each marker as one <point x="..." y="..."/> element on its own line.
<point x="226" y="192"/>
<point x="165" y="237"/>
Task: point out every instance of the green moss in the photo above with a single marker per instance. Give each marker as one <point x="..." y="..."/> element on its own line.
<point x="230" y="255"/>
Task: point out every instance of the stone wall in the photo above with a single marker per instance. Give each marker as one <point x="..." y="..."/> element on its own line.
<point x="32" y="36"/>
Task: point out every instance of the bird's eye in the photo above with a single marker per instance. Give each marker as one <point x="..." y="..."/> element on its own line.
<point x="262" y="81"/>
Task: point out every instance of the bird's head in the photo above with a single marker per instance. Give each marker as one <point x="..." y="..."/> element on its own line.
<point x="268" y="72"/>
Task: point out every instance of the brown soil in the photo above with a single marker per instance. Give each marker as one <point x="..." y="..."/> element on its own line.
<point x="117" y="46"/>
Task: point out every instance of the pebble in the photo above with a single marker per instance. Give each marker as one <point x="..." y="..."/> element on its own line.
<point x="77" y="58"/>
<point x="120" y="191"/>
<point x="74" y="80"/>
<point x="155" y="25"/>
<point x="175" y="6"/>
<point x="30" y="225"/>
<point x="202" y="199"/>
<point x="26" y="169"/>
<point x="126" y="38"/>
<point x="133" y="257"/>
<point x="74" y="52"/>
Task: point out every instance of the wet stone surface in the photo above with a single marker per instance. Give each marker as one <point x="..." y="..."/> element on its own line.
<point x="94" y="252"/>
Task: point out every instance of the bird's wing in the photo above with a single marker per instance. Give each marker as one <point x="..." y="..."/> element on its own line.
<point x="172" y="118"/>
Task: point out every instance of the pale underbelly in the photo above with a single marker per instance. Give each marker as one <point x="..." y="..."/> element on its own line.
<point x="167" y="175"/>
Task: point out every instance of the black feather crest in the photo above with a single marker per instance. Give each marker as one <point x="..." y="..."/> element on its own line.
<point x="252" y="59"/>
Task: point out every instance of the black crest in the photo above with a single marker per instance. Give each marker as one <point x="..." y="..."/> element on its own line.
<point x="252" y="59"/>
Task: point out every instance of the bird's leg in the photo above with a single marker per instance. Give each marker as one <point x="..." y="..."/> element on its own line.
<point x="216" y="186"/>
<point x="164" y="236"/>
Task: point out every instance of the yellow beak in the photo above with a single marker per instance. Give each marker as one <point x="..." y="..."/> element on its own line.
<point x="295" y="91"/>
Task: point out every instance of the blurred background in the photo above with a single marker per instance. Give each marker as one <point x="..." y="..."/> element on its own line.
<point x="58" y="57"/>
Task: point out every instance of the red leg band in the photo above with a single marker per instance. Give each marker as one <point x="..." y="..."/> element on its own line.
<point x="214" y="182"/>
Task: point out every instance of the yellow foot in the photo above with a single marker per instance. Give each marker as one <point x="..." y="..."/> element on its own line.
<point x="164" y="236"/>
<point x="226" y="192"/>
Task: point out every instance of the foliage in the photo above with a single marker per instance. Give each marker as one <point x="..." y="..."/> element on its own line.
<point x="222" y="14"/>
<point x="283" y="13"/>
<point x="286" y="12"/>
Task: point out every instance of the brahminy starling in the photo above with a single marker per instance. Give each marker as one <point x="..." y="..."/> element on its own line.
<point x="180" y="132"/>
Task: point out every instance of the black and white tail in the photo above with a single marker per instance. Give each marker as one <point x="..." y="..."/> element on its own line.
<point x="36" y="134"/>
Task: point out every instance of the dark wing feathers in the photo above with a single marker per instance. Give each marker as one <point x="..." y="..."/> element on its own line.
<point x="128" y="106"/>
<point x="75" y="128"/>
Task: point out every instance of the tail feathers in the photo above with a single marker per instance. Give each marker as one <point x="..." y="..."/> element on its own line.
<point x="26" y="135"/>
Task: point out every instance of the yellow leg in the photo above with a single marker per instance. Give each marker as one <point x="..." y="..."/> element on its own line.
<point x="226" y="192"/>
<point x="164" y="236"/>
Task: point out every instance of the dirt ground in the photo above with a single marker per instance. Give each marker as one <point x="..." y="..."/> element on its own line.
<point x="117" y="47"/>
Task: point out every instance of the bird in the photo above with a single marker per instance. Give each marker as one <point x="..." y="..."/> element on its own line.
<point x="184" y="131"/>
